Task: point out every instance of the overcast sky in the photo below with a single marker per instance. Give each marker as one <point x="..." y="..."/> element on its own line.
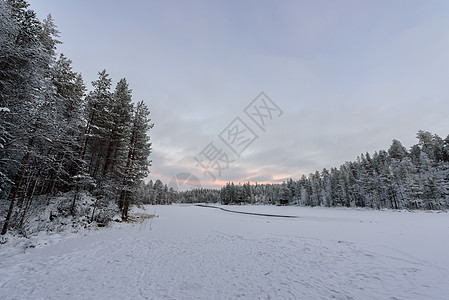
<point x="344" y="77"/>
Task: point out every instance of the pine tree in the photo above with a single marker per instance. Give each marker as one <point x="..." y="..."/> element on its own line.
<point x="396" y="150"/>
<point x="139" y="149"/>
<point x="96" y="130"/>
<point x="69" y="105"/>
<point x="120" y="114"/>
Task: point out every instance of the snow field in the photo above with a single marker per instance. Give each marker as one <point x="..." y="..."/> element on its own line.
<point x="191" y="252"/>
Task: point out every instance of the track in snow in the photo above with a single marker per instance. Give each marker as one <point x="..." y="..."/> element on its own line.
<point x="247" y="213"/>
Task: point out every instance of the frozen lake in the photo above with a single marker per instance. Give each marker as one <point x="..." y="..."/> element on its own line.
<point x="192" y="252"/>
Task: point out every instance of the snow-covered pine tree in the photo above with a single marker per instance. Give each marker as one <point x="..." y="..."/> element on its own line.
<point x="65" y="172"/>
<point x="396" y="150"/>
<point x="327" y="189"/>
<point x="120" y="114"/>
<point x="137" y="161"/>
<point x="97" y="124"/>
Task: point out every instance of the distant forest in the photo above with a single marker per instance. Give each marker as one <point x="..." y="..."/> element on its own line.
<point x="396" y="178"/>
<point x="56" y="137"/>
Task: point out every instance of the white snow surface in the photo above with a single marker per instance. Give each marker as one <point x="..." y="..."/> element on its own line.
<point x="191" y="252"/>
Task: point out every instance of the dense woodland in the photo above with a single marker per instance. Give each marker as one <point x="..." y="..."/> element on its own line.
<point x="56" y="137"/>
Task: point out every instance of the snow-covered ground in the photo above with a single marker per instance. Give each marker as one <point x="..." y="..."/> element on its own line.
<point x="191" y="252"/>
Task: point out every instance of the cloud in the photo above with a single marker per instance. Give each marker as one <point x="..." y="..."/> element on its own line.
<point x="349" y="77"/>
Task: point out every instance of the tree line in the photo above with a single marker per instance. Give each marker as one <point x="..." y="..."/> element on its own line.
<point x="396" y="178"/>
<point x="55" y="136"/>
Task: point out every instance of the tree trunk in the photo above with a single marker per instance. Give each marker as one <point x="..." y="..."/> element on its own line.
<point x="86" y="133"/>
<point x="28" y="204"/>
<point x="110" y="152"/>
<point x="13" y="195"/>
<point x="72" y="208"/>
<point x="125" y="205"/>
<point x="53" y="181"/>
<point x="93" y="211"/>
